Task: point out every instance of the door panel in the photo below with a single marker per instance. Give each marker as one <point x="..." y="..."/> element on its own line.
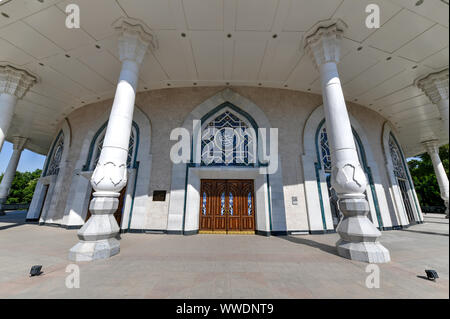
<point x="220" y="213"/>
<point x="227" y="206"/>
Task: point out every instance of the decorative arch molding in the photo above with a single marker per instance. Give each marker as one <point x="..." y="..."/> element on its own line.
<point x="90" y="161"/>
<point x="389" y="134"/>
<point x="136" y="195"/>
<point x="50" y="188"/>
<point x="184" y="201"/>
<point x="316" y="187"/>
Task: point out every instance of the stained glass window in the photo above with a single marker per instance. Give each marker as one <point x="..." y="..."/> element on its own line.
<point x="99" y="146"/>
<point x="231" y="204"/>
<point x="250" y="204"/>
<point x="204" y="204"/>
<point x="325" y="153"/>
<point x="227" y="140"/>
<point x="222" y="204"/>
<point x="55" y="160"/>
<point x="325" y="150"/>
<point x="396" y="155"/>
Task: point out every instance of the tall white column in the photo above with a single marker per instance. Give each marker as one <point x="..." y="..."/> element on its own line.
<point x="8" y="177"/>
<point x="359" y="237"/>
<point x="98" y="236"/>
<point x="442" y="178"/>
<point x="14" y="83"/>
<point x="435" y="86"/>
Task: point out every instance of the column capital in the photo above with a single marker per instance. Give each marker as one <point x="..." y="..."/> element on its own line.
<point x="15" y="81"/>
<point x="434" y="85"/>
<point x="134" y="40"/>
<point x="431" y="146"/>
<point x="322" y="42"/>
<point x="19" y="142"/>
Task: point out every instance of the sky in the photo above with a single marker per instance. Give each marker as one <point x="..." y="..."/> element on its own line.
<point x="29" y="161"/>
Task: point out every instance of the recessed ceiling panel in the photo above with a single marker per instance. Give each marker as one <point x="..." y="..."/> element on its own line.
<point x="97" y="16"/>
<point x="398" y="31"/>
<point x="51" y="23"/>
<point x="29" y="40"/>
<point x="426" y="44"/>
<point x="304" y="14"/>
<point x="157" y="14"/>
<point x="204" y="14"/>
<point x="255" y="15"/>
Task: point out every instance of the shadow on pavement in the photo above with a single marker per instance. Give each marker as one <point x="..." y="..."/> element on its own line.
<point x="424" y="232"/>
<point x="303" y="241"/>
<point x="14" y="219"/>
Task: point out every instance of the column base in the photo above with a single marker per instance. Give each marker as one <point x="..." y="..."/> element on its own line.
<point x="369" y="252"/>
<point x="89" y="251"/>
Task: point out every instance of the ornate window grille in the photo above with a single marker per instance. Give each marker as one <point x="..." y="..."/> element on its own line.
<point x="325" y="160"/>
<point x="325" y="155"/>
<point x="227" y="140"/>
<point x="99" y="146"/>
<point x="55" y="159"/>
<point x="396" y="155"/>
<point x="401" y="176"/>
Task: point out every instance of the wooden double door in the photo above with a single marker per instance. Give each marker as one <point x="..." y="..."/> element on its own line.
<point x="227" y="206"/>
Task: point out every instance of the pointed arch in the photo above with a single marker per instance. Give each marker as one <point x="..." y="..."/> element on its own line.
<point x="97" y="143"/>
<point x="139" y="173"/>
<point x="317" y="184"/>
<point x="50" y="189"/>
<point x="402" y="190"/>
<point x="184" y="195"/>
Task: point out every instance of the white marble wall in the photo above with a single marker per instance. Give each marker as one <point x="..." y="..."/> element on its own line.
<point x="166" y="109"/>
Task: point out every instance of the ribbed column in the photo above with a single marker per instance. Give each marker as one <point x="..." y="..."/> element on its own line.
<point x="435" y="86"/>
<point x="98" y="236"/>
<point x="14" y="83"/>
<point x="359" y="237"/>
<point x="442" y="178"/>
<point x="8" y="176"/>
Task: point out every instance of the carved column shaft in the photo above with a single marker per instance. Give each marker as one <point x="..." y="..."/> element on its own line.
<point x="442" y="178"/>
<point x="98" y="236"/>
<point x="8" y="177"/>
<point x="358" y="235"/>
<point x="14" y="84"/>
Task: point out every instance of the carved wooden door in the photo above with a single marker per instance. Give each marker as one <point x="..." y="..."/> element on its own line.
<point x="227" y="206"/>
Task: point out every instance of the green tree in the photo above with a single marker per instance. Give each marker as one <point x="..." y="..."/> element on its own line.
<point x="22" y="188"/>
<point x="424" y="179"/>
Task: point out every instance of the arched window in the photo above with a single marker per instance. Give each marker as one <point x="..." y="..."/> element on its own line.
<point x="55" y="156"/>
<point x="401" y="176"/>
<point x="97" y="145"/>
<point x="325" y="150"/>
<point x="324" y="158"/>
<point x="228" y="140"/>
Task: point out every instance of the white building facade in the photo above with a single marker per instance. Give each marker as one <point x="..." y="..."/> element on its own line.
<point x="348" y="105"/>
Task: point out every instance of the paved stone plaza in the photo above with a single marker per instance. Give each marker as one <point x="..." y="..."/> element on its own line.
<point x="218" y="266"/>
